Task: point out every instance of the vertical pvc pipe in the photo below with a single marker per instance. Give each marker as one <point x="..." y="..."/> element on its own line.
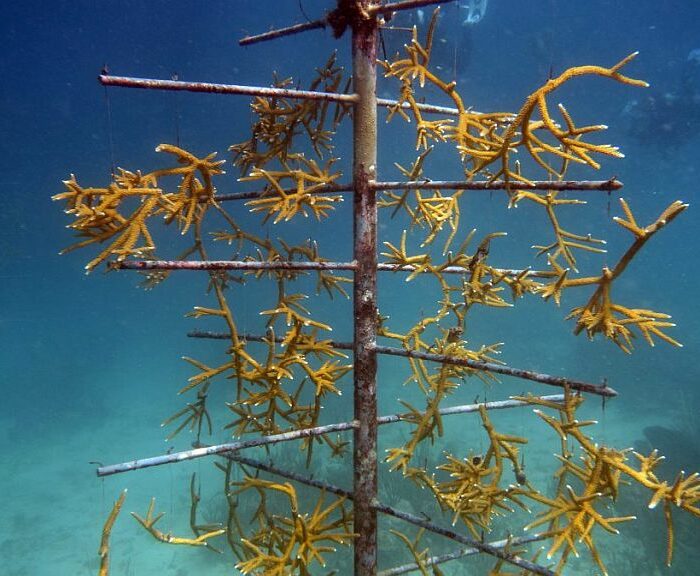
<point x="364" y="56"/>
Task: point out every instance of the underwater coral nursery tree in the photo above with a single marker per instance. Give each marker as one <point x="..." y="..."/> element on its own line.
<point x="276" y="396"/>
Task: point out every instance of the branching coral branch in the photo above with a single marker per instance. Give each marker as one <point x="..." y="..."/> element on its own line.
<point x="102" y="214"/>
<point x="600" y="315"/>
<point x="573" y="514"/>
<point x="107" y="532"/>
<point x="150" y="521"/>
<point x="295" y="541"/>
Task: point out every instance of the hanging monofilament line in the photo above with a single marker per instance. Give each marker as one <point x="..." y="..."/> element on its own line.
<point x="303" y="12"/>
<point x="110" y="128"/>
<point x="176" y="111"/>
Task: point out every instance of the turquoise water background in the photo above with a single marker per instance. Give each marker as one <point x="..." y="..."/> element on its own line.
<point x="90" y="365"/>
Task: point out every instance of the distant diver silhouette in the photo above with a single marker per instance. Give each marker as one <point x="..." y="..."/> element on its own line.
<point x="668" y="119"/>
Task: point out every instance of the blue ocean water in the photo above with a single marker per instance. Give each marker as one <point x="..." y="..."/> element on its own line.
<point x="91" y="364"/>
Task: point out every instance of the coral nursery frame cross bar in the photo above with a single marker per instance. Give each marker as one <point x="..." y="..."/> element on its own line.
<point x="232" y="447"/>
<point x="475" y="491"/>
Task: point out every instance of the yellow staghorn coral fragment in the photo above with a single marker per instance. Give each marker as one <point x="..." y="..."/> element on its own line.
<point x="600" y="315"/>
<point x="308" y="179"/>
<point x="107" y="532"/>
<point x="293" y="543"/>
<point x="104" y="215"/>
<point x="483" y="139"/>
<point x="150" y="521"/>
